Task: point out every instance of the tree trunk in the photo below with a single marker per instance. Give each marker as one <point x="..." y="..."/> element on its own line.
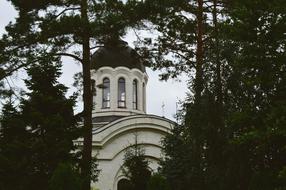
<point x="87" y="99"/>
<point x="217" y="142"/>
<point x="197" y="114"/>
<point x="218" y="88"/>
<point x="199" y="54"/>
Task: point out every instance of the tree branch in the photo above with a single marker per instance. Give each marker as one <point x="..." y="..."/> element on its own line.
<point x="8" y="72"/>
<point x="67" y="9"/>
<point x="184" y="57"/>
<point x="4" y="74"/>
<point x="69" y="55"/>
<point x="96" y="47"/>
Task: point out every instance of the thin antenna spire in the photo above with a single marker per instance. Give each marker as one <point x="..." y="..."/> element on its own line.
<point x="177" y="117"/>
<point x="163" y="109"/>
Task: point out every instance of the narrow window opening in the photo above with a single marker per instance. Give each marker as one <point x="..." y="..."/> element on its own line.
<point x="135" y="94"/>
<point x="93" y="89"/>
<point x="144" y="97"/>
<point x="106" y="93"/>
<point x="121" y="93"/>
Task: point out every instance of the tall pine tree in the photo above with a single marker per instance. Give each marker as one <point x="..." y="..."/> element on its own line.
<point x="58" y="28"/>
<point x="256" y="85"/>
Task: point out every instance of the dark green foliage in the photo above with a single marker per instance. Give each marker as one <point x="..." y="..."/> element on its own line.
<point x="135" y="167"/>
<point x="15" y="151"/>
<point x="35" y="139"/>
<point x="51" y="29"/>
<point x="234" y="134"/>
<point x="173" y="50"/>
<point x="256" y="85"/>
<point x="176" y="164"/>
<point x="94" y="170"/>
<point x="157" y="182"/>
<point x="124" y="184"/>
<point x="65" y="177"/>
<point x="49" y="115"/>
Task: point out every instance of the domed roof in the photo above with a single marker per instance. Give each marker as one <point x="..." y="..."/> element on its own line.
<point x="116" y="54"/>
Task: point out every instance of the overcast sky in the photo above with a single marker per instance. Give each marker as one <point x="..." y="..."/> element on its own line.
<point x="158" y="92"/>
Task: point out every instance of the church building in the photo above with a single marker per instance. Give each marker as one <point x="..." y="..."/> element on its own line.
<point x="119" y="83"/>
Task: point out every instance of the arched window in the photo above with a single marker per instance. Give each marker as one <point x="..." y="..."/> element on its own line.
<point x="106" y="93"/>
<point x="93" y="89"/>
<point x="144" y="97"/>
<point x="124" y="184"/>
<point x="135" y="94"/>
<point x="121" y="93"/>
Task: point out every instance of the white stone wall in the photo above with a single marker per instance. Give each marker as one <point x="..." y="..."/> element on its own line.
<point x="111" y="141"/>
<point x="114" y="74"/>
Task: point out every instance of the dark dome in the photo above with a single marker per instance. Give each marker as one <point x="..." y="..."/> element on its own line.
<point x="116" y="55"/>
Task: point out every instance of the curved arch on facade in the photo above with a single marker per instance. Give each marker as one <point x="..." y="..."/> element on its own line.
<point x="119" y="68"/>
<point x="123" y="184"/>
<point x="120" y="126"/>
<point x="135" y="77"/>
<point x="121" y="75"/>
<point x="105" y="75"/>
<point x="131" y="129"/>
<point x="164" y="127"/>
<point x="109" y="70"/>
<point x="138" y="73"/>
<point x="139" y="118"/>
<point x="140" y="144"/>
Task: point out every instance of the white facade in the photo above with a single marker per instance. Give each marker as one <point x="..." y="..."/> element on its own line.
<point x="114" y="74"/>
<point x="111" y="141"/>
<point x="117" y="122"/>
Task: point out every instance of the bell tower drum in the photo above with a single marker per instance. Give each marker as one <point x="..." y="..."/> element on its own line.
<point x="119" y="81"/>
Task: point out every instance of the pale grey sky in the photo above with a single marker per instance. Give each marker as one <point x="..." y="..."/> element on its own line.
<point x="157" y="91"/>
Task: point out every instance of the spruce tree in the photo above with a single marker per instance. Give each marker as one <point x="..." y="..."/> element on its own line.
<point x="135" y="167"/>
<point x="48" y="114"/>
<point x="38" y="137"/>
<point x="15" y="151"/>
